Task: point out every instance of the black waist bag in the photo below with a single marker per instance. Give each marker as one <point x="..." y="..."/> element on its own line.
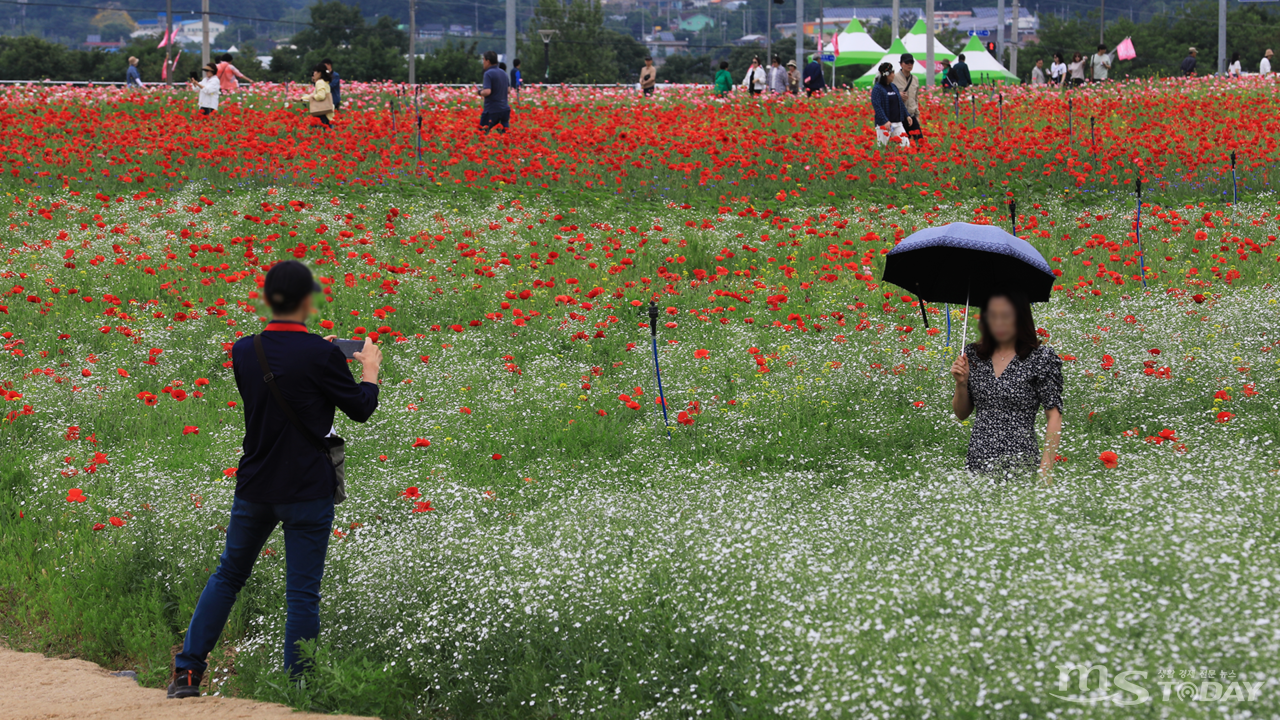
<point x="333" y="448"/>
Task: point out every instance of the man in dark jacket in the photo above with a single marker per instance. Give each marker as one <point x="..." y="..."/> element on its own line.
<point x="814" y="80"/>
<point x="959" y="74"/>
<point x="1188" y="66"/>
<point x="335" y="84"/>
<point x="283" y="477"/>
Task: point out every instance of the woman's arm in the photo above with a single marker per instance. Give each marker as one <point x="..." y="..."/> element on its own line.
<point x="1052" y="437"/>
<point x="239" y="74"/>
<point x="877" y="104"/>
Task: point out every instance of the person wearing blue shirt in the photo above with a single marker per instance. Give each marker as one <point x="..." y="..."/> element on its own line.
<point x="889" y="108"/>
<point x="131" y="76"/>
<point x="283" y="475"/>
<point x="335" y="84"/>
<point x="814" y="80"/>
<point x="494" y="91"/>
<point x="517" y="81"/>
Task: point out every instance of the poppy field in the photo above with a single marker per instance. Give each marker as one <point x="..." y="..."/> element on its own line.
<point x="525" y="536"/>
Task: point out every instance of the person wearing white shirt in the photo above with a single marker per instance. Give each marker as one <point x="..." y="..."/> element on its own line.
<point x="1101" y="62"/>
<point x="1233" y="70"/>
<point x="754" y="81"/>
<point x="1037" y="73"/>
<point x="210" y="87"/>
<point x="1057" y="70"/>
<point x="1264" y="67"/>
<point x="777" y="77"/>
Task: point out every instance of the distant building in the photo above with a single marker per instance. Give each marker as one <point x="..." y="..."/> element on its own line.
<point x="696" y="22"/>
<point x="751" y="40"/>
<point x="431" y="31"/>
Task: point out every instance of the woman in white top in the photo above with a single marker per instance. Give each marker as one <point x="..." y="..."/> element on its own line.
<point x="1233" y="70"/>
<point x="1076" y="68"/>
<point x="1057" y="70"/>
<point x="209" y="89"/>
<point x="754" y="81"/>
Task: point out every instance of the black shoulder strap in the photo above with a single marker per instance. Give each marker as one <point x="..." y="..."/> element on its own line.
<point x="910" y="79"/>
<point x="270" y="379"/>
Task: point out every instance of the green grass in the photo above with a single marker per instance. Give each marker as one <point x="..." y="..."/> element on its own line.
<point x="811" y="549"/>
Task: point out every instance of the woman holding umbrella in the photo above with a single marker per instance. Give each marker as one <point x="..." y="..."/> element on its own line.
<point x="1007" y="376"/>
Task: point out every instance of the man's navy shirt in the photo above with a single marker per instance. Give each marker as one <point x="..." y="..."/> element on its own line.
<point x="279" y="465"/>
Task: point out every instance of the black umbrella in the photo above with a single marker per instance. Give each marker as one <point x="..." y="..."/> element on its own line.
<point x="964" y="263"/>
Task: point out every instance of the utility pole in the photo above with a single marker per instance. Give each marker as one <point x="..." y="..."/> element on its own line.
<point x="1102" y="19"/>
<point x="768" y="31"/>
<point x="413" y="36"/>
<point x="928" y="44"/>
<point x="896" y="11"/>
<point x="1000" y="31"/>
<point x="511" y="33"/>
<point x="800" y="38"/>
<point x="1013" y="49"/>
<point x="1222" y="37"/>
<point x="822" y="47"/>
<point x="204" y="27"/>
<point x="168" y="41"/>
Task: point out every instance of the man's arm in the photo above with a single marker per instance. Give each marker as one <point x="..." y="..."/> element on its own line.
<point x="485" y="87"/>
<point x="356" y="400"/>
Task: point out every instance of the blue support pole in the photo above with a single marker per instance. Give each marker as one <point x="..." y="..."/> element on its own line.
<point x="653" y="335"/>
<point x="1141" y="252"/>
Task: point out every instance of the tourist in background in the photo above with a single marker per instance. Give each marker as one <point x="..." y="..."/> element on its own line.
<point x="890" y="111"/>
<point x="648" y="77"/>
<point x="1188" y="66"/>
<point x="320" y="99"/>
<point x="335" y="84"/>
<point x="517" y="80"/>
<point x="493" y="88"/>
<point x="777" y="77"/>
<point x="959" y="74"/>
<point x="1101" y="62"/>
<point x="754" y="80"/>
<point x="1037" y="73"/>
<point x="1007" y="376"/>
<point x="1233" y="70"/>
<point x="793" y="78"/>
<point x="1057" y="70"/>
<point x="814" y="80"/>
<point x="209" y="89"/>
<point x="1264" y="67"/>
<point x="1076" y="70"/>
<point x="133" y="79"/>
<point x="909" y="87"/>
<point x="228" y="76"/>
<point x="724" y="81"/>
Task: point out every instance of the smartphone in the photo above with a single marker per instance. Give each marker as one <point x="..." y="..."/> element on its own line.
<point x="349" y="347"/>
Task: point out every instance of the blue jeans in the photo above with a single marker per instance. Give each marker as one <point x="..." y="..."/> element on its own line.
<point x="307" y="526"/>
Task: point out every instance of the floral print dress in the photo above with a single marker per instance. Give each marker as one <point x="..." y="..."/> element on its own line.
<point x="1004" y="432"/>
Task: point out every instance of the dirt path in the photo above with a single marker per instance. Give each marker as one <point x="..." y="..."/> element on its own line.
<point x="34" y="687"/>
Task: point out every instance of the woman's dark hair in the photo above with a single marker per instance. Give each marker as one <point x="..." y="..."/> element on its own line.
<point x="1024" y="325"/>
<point x="1235" y="57"/>
<point x="213" y="69"/>
<point x="1076" y="57"/>
<point x="324" y="72"/>
<point x="226" y="57"/>
<point x="1057" y="57"/>
<point x="886" y="74"/>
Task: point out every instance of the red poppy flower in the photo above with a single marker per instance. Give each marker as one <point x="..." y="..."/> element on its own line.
<point x="1224" y="416"/>
<point x="117" y="522"/>
<point x="421" y="442"/>
<point x="465" y="410"/>
<point x="190" y="430"/>
<point x="75" y="495"/>
<point x="497" y="456"/>
<point x="99" y="526"/>
<point x="424" y="506"/>
<point x="1109" y="459"/>
<point x="410" y="492"/>
<point x="178" y="394"/>
<point x="702" y="354"/>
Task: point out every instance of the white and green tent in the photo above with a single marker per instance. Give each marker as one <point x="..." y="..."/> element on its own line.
<point x="854" y="47"/>
<point x="916" y="42"/>
<point x="984" y="69"/>
<point x="895" y="52"/>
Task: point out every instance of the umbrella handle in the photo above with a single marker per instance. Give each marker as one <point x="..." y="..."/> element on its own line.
<point x="964" y="332"/>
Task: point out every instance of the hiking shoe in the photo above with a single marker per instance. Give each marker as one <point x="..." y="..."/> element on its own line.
<point x="186" y="683"/>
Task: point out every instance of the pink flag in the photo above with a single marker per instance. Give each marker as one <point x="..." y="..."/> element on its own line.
<point x="166" y="38"/>
<point x="1124" y="51"/>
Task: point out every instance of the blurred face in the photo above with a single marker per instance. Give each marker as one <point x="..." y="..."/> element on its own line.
<point x="1002" y="320"/>
<point x="907" y="67"/>
<point x="315" y="74"/>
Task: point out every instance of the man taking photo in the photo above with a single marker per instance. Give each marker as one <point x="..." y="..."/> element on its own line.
<point x="648" y="77"/>
<point x="291" y="381"/>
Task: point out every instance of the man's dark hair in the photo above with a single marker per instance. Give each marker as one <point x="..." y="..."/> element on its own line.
<point x="724" y="64"/>
<point x="907" y="58"/>
<point x="287" y="284"/>
<point x="226" y="57"/>
<point x="1101" y="46"/>
<point x="515" y="63"/>
<point x="648" y="58"/>
<point x="502" y="66"/>
<point x="960" y="57"/>
<point x="327" y="62"/>
<point x="491" y="57"/>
